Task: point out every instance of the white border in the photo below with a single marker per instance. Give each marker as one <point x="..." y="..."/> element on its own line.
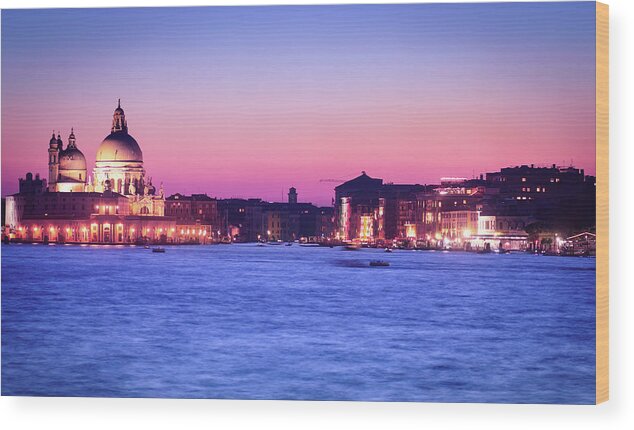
<point x="55" y="413"/>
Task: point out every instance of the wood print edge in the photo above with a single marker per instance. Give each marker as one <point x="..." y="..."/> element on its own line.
<point x="602" y="199"/>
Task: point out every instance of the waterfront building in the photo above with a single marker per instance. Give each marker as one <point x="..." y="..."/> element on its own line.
<point x="449" y="212"/>
<point x="241" y="219"/>
<point x="493" y="211"/>
<point x="369" y="210"/>
<point x="357" y="208"/>
<point x="325" y="223"/>
<point x="293" y="220"/>
<point x="562" y="197"/>
<point x="118" y="204"/>
<point x="250" y="220"/>
<point x="195" y="210"/>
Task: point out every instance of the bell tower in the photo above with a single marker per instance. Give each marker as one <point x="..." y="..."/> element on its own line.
<point x="292" y="196"/>
<point x="53" y="162"/>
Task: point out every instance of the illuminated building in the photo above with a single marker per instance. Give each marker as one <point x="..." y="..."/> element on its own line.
<point x="119" y="167"/>
<point x="197" y="210"/>
<point x="120" y="206"/>
<point x="391" y="207"/>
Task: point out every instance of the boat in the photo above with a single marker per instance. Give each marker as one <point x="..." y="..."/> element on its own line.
<point x="351" y="248"/>
<point x="158" y="249"/>
<point x="388" y="250"/>
<point x="260" y="244"/>
<point x="289" y="243"/>
<point x="379" y="263"/>
<point x="272" y="242"/>
<point x="309" y="245"/>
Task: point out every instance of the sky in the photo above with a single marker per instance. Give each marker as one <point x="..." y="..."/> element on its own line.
<point x="249" y="101"/>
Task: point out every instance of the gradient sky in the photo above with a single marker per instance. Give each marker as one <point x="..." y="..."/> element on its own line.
<point x="248" y="101"/>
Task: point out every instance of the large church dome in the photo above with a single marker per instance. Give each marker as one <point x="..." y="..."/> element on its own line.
<point x="119" y="146"/>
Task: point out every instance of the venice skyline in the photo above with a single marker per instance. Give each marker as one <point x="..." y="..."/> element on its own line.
<point x="255" y="100"/>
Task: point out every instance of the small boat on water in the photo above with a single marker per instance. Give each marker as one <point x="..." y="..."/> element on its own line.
<point x="351" y="247"/>
<point x="388" y="250"/>
<point x="379" y="263"/>
<point x="158" y="249"/>
<point x="309" y="245"/>
<point x="289" y="244"/>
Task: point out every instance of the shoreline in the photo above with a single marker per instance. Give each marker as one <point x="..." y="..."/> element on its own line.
<point x="341" y="246"/>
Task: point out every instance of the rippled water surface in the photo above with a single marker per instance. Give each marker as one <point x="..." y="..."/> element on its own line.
<point x="277" y="322"/>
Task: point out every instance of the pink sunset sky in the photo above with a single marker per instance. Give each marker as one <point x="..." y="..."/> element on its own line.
<point x="249" y="101"/>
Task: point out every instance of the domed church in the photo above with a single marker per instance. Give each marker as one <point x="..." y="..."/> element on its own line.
<point x="118" y="168"/>
<point x="119" y="164"/>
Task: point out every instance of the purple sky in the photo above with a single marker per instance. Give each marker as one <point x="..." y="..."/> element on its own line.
<point x="248" y="101"/>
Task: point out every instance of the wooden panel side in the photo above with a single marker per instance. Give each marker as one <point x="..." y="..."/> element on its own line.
<point x="602" y="210"/>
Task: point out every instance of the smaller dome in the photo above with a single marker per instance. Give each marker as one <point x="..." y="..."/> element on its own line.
<point x="72" y="159"/>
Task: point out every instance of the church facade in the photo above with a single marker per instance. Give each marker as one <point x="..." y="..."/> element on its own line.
<point x="117" y="203"/>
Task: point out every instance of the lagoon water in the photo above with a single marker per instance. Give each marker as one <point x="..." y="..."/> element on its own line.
<point x="277" y="322"/>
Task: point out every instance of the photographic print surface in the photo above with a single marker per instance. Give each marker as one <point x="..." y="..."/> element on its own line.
<point x="345" y="202"/>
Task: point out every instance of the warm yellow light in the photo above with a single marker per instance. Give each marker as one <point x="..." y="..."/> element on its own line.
<point x="35" y="228"/>
<point x="132" y="230"/>
<point x="173" y="229"/>
<point x="97" y="207"/>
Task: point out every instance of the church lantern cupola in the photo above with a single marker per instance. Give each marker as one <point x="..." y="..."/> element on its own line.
<point x="71" y="139"/>
<point x="118" y="120"/>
